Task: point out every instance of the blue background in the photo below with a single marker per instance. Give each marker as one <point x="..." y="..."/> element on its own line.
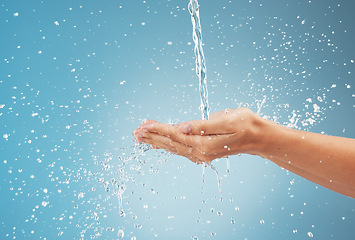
<point x="77" y="77"/>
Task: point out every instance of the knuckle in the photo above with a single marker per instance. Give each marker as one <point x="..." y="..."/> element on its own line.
<point x="149" y="122"/>
<point x="187" y="139"/>
<point x="202" y="128"/>
<point x="245" y="111"/>
<point x="230" y="122"/>
<point x="242" y="109"/>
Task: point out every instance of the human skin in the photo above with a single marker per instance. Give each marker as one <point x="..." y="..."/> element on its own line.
<point x="325" y="160"/>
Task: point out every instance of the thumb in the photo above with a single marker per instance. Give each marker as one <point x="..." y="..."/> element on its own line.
<point x="206" y="127"/>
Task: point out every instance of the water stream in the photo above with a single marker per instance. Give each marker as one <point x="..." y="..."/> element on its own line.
<point x="201" y="69"/>
<point x="201" y="72"/>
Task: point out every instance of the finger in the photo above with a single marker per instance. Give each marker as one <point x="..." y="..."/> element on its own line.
<point x="197" y="127"/>
<point x="180" y="148"/>
<point x="169" y="131"/>
<point x="220" y="125"/>
<point x="183" y="150"/>
<point x="139" y="128"/>
<point x="169" y="144"/>
<point x="220" y="113"/>
<point x="216" y="115"/>
<point x="207" y="146"/>
<point x="174" y="147"/>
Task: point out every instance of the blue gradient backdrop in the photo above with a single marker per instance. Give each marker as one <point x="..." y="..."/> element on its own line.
<point x="77" y="77"/>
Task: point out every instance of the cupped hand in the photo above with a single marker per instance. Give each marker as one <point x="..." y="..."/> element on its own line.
<point x="228" y="132"/>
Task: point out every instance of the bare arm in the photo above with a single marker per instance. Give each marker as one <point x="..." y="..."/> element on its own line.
<point x="326" y="160"/>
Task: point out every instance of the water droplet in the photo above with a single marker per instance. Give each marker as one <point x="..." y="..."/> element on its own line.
<point x="310" y="234"/>
<point x="262" y="221"/>
<point x="122" y="213"/>
<point x="80" y="195"/>
<point x="138" y="226"/>
<point x="120" y="233"/>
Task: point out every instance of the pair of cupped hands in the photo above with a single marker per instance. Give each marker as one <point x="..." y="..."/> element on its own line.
<point x="228" y="132"/>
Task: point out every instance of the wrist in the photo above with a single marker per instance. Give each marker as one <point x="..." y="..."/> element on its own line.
<point x="261" y="132"/>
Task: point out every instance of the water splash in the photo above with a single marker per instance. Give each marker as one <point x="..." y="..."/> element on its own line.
<point x="135" y="160"/>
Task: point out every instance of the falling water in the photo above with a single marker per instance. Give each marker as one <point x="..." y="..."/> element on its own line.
<point x="201" y="72"/>
<point x="200" y="58"/>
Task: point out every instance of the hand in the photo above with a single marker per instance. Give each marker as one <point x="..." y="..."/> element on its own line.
<point x="325" y="160"/>
<point x="228" y="132"/>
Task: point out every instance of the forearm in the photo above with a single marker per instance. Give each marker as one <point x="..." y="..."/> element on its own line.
<point x="326" y="160"/>
<point x="316" y="179"/>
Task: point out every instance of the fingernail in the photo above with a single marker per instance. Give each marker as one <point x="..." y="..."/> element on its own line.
<point x="185" y="128"/>
<point x="144" y="130"/>
<point x="140" y="140"/>
<point x="139" y="135"/>
<point x="148" y="126"/>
